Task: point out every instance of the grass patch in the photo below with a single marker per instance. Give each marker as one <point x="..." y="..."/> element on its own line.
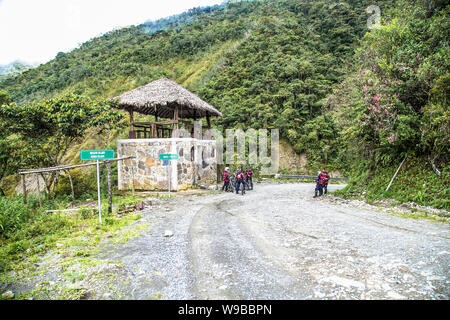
<point x="415" y="182"/>
<point x="27" y="232"/>
<point x="421" y="215"/>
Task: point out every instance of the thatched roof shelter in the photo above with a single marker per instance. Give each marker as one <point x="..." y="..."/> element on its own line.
<point x="162" y="97"/>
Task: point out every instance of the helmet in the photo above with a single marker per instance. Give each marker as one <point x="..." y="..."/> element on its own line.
<point x="227" y="169"/>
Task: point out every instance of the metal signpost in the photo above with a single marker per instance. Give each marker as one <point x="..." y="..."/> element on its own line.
<point x="167" y="163"/>
<point x="97" y="155"/>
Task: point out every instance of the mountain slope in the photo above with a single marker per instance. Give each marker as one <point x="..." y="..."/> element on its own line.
<point x="263" y="64"/>
<point x="348" y="97"/>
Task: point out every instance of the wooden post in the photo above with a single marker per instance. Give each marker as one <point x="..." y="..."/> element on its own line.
<point x="208" y="120"/>
<point x="132" y="133"/>
<point x="175" y="118"/>
<point x="38" y="190"/>
<point x="71" y="185"/>
<point x="193" y="124"/>
<point x="154" y="133"/>
<point x="108" y="166"/>
<point x="24" y="189"/>
<point x="156" y="129"/>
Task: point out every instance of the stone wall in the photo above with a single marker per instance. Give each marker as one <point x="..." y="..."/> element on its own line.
<point x="197" y="163"/>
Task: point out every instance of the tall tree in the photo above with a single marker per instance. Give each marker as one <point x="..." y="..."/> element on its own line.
<point x="50" y="127"/>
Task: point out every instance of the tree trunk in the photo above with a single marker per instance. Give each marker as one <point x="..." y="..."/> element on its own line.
<point x="71" y="185"/>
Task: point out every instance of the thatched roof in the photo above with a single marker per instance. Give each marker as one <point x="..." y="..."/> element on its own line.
<point x="161" y="97"/>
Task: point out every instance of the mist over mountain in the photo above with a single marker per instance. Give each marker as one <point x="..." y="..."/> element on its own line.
<point x="13" y="68"/>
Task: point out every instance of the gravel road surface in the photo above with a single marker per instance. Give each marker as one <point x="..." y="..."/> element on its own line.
<point x="277" y="242"/>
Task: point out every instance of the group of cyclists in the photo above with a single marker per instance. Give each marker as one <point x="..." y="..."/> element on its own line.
<point x="243" y="180"/>
<point x="321" y="182"/>
<point x="240" y="180"/>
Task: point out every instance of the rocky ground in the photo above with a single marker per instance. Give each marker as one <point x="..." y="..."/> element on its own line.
<point x="275" y="242"/>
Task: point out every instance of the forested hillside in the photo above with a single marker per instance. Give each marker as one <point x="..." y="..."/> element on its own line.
<point x="394" y="105"/>
<point x="352" y="98"/>
<point x="261" y="63"/>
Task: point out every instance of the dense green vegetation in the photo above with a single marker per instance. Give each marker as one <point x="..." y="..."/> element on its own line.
<point x="27" y="230"/>
<point x="355" y="99"/>
<point x="262" y="63"/>
<point x="414" y="183"/>
<point x="394" y="104"/>
<point x="40" y="134"/>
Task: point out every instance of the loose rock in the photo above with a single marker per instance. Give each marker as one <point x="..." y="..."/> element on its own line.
<point x="168" y="233"/>
<point x="8" y="295"/>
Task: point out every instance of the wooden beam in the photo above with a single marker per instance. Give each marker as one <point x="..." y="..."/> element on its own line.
<point x="149" y="123"/>
<point x="65" y="167"/>
<point x="38" y="190"/>
<point x="24" y="189"/>
<point x="175" y="118"/>
<point x="64" y="210"/>
<point x="390" y="183"/>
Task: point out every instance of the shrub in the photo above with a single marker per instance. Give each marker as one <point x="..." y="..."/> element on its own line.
<point x="13" y="213"/>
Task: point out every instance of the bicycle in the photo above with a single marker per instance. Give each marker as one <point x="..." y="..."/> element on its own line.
<point x="242" y="186"/>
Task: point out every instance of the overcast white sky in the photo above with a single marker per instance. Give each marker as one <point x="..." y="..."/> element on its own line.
<point x="34" y="31"/>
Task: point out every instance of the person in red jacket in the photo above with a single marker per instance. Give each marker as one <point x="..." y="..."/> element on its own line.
<point x="240" y="180"/>
<point x="319" y="184"/>
<point x="226" y="179"/>
<point x="249" y="178"/>
<point x="326" y="177"/>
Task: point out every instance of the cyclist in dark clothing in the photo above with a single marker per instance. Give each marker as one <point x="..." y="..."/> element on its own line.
<point x="240" y="180"/>
<point x="319" y="185"/>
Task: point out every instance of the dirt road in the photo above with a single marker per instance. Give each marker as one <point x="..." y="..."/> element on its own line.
<point x="277" y="242"/>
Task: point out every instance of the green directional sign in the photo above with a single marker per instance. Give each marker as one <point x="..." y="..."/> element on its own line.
<point x="96" y="155"/>
<point x="169" y="156"/>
